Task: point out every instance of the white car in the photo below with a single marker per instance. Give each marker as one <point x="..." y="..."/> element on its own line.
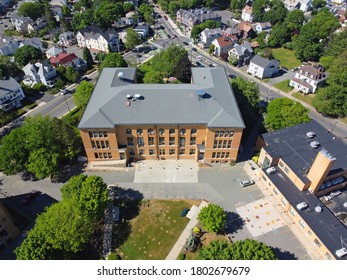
<point x="302" y="206"/>
<point x="271" y="170"/>
<point x="246" y="183"/>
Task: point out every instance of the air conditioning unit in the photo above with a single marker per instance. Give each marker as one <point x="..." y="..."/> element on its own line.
<point x="137" y="96"/>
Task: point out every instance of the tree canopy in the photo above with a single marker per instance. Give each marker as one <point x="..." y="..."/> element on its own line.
<point x="266" y="10"/>
<point x="212" y="217"/>
<point x="34" y="10"/>
<point x="284" y="112"/>
<point x="113" y="60"/>
<point x="83" y="94"/>
<point x="71" y="74"/>
<point x="216" y="250"/>
<point x="25" y="54"/>
<point x="66" y="227"/>
<point x="8" y="68"/>
<point x="197" y="29"/>
<point x="41" y="145"/>
<point x="132" y="39"/>
<point x="87" y="57"/>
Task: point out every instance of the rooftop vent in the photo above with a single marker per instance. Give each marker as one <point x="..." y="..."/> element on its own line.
<point x="200" y="93"/>
<point x="314" y="144"/>
<point x="120" y="75"/>
<point x="128" y="96"/>
<point x="137" y="96"/>
<point x="310" y="134"/>
<point x="318" y="209"/>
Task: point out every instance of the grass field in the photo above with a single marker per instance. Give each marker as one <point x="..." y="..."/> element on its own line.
<point x="284" y="86"/>
<point x="155" y="230"/>
<point x="286" y="57"/>
<point x="306" y="98"/>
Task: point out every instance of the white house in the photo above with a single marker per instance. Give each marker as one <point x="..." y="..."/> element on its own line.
<point x="142" y="29"/>
<point x="303" y="5"/>
<point x="243" y="53"/>
<point x="21" y="23"/>
<point x="308" y="78"/>
<point x="8" y="46"/>
<point x="67" y="39"/>
<point x="208" y="35"/>
<point x="262" y="68"/>
<point x="262" y="26"/>
<point x="40" y="72"/>
<point x="94" y="38"/>
<point x="222" y="45"/>
<point x="11" y="94"/>
<point x="247" y="13"/>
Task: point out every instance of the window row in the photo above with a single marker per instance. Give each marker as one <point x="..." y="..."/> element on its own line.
<point x="100" y="144"/>
<point x="103" y="155"/>
<point x="220" y="155"/>
<point x="162" y="152"/>
<point x="161" y="141"/>
<point x="222" y="133"/>
<point x="161" y="131"/>
<point x="97" y="134"/>
<point x="222" y="144"/>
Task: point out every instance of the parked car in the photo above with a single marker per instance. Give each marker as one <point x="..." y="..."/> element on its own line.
<point x="185" y="43"/>
<point x="29" y="197"/>
<point x="271" y="170"/>
<point x="194" y="49"/>
<point x="64" y="91"/>
<point x="246" y="183"/>
<point x="165" y="17"/>
<point x="302" y="206"/>
<point x="231" y="76"/>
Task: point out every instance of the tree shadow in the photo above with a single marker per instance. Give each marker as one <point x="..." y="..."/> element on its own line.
<point x="284" y="254"/>
<point x="120" y="233"/>
<point x="234" y="223"/>
<point x="129" y="202"/>
<point x="66" y="172"/>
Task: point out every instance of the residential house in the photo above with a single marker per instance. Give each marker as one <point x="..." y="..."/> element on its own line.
<point x="34" y="42"/>
<point x="67" y="39"/>
<point x="57" y="12"/>
<point x="246" y="30"/>
<point x="262" y="27"/>
<point x="208" y="35"/>
<point x="308" y="78"/>
<point x="232" y="31"/>
<point x="35" y="26"/>
<point x="263" y="68"/>
<point x="243" y="53"/>
<point x="127" y="20"/>
<point x="200" y="121"/>
<point x="142" y="30"/>
<point x="222" y="45"/>
<point x="227" y="17"/>
<point x="308" y="163"/>
<point x="40" y="72"/>
<point x="8" y="230"/>
<point x="53" y="51"/>
<point x="21" y="23"/>
<point x="247" y="13"/>
<point x="303" y="5"/>
<point x="194" y="17"/>
<point x="11" y="94"/>
<point x="68" y="59"/>
<point x="8" y="46"/>
<point x="94" y="38"/>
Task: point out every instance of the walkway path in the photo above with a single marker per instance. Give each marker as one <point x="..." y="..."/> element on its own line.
<point x="177" y="248"/>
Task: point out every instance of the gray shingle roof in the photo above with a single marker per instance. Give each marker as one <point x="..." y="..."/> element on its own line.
<point x="162" y="103"/>
<point x="263" y="62"/>
<point x="7" y="86"/>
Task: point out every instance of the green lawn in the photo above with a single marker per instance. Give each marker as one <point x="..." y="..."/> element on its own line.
<point x="155" y="230"/>
<point x="283" y="85"/>
<point x="344" y="120"/>
<point x="286" y="57"/>
<point x="306" y="98"/>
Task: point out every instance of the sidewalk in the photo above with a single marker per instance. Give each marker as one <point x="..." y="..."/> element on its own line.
<point x="177" y="248"/>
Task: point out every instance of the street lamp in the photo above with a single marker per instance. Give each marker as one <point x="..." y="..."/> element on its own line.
<point x="63" y="94"/>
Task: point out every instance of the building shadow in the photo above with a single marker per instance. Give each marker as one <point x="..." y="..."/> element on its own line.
<point x="234" y="223"/>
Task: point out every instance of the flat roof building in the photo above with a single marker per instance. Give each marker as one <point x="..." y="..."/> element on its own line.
<point x="125" y="121"/>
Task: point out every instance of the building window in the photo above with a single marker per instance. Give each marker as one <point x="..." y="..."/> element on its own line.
<point x="90" y="134"/>
<point x="107" y="143"/>
<point x="100" y="134"/>
<point x="327" y="256"/>
<point x="213" y="155"/>
<point x="161" y="152"/>
<point x="105" y="155"/>
<point x="192" y="140"/>
<point x="150" y="141"/>
<point x="229" y="144"/>
<point x="216" y="133"/>
<point x="96" y="155"/>
<point x="274" y="190"/>
<point x="141" y="151"/>
<point x="220" y="144"/>
<point x="131" y="152"/>
<point x="223" y="155"/>
<point x="98" y="144"/>
<point x="105" y="133"/>
<point x="218" y="155"/>
<point x="161" y="131"/>
<point x="172" y="131"/>
<point x="161" y="141"/>
<point x="172" y="140"/>
<point x="130" y="141"/>
<point x="227" y="155"/>
<point x="140" y="142"/>
<point x="171" y="151"/>
<point x="150" y="131"/>
<point x="286" y="169"/>
<point x="139" y="131"/>
<point x="109" y="155"/>
<point x="224" y="144"/>
<point x="215" y="144"/>
<point x="182" y="141"/>
<point x="182" y="151"/>
<point x="128" y="131"/>
<point x="101" y="155"/>
<point x="292" y="211"/>
<point x="93" y="144"/>
<point x="151" y="151"/>
<point x="193" y="131"/>
<point x="302" y="224"/>
<point x="281" y="164"/>
<point x="102" y="144"/>
<point x="221" y="133"/>
<point x="317" y="243"/>
<point x="95" y="134"/>
<point x="192" y="151"/>
<point x="182" y="131"/>
<point x="231" y="133"/>
<point x="309" y="233"/>
<point x="284" y="202"/>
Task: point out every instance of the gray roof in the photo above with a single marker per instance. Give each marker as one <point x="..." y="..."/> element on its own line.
<point x="34" y="42"/>
<point x="93" y="32"/>
<point x="263" y="62"/>
<point x="240" y="49"/>
<point x="7" y="86"/>
<point x="212" y="32"/>
<point x="293" y="146"/>
<point x="162" y="103"/>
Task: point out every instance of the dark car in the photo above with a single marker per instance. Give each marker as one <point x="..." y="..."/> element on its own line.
<point x="29" y="197"/>
<point x="211" y="65"/>
<point x="184" y="212"/>
<point x="194" y="49"/>
<point x="197" y="63"/>
<point x="165" y="17"/>
<point x="284" y="68"/>
<point x="231" y="76"/>
<point x="185" y="43"/>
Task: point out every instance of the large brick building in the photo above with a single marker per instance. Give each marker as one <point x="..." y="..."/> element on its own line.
<point x="125" y="121"/>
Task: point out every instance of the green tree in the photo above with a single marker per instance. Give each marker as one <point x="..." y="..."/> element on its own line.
<point x="211" y="49"/>
<point x="132" y="39"/>
<point x="294" y="20"/>
<point x="127" y="7"/>
<point x="233" y="60"/>
<point x="83" y="93"/>
<point x="71" y="74"/>
<point x="153" y="77"/>
<point x="248" y="89"/>
<point x="174" y="6"/>
<point x="251" y="250"/>
<point x="106" y="13"/>
<point x="8" y="68"/>
<point x="284" y="112"/>
<point x="272" y="11"/>
<point x="212" y="218"/>
<point x="164" y="5"/>
<point x="317" y="4"/>
<point x="25" y="54"/>
<point x="113" y="60"/>
<point x="82" y="20"/>
<point x="49" y="16"/>
<point x="182" y="70"/>
<point x="43" y="163"/>
<point x="279" y="35"/>
<point x="72" y="189"/>
<point x="87" y="57"/>
<point x="216" y="250"/>
<point x="237" y="5"/>
<point x="32" y="10"/>
<point x="336" y="46"/>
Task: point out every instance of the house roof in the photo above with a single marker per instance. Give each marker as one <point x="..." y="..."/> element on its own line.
<point x="212" y="32"/>
<point x="263" y="62"/>
<point x="162" y="103"/>
<point x="245" y="26"/>
<point x="66" y="34"/>
<point x="231" y="31"/>
<point x="301" y="82"/>
<point x="54" y="51"/>
<point x="7" y="86"/>
<point x="240" y="49"/>
<point x="93" y="32"/>
<point x="317" y="72"/>
<point x="43" y="68"/>
<point x="224" y="41"/>
<point x="293" y="146"/>
<point x="34" y="42"/>
<point x="63" y="58"/>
